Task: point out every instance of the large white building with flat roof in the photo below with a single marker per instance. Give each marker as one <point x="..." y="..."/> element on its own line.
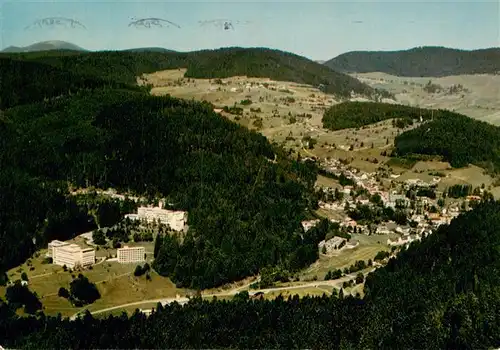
<point x="176" y="219"/>
<point x="71" y="255"/>
<point x="52" y="246"/>
<point x="127" y="255"/>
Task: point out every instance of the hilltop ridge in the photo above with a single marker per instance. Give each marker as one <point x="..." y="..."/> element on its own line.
<point x="44" y="46"/>
<point x="428" y="61"/>
<point x="126" y="66"/>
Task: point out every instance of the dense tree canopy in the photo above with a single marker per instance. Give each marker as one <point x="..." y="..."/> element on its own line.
<point x="460" y="140"/>
<point x="24" y="82"/>
<point x="19" y="295"/>
<point x="357" y="114"/>
<point x="420" y="62"/>
<point x="443" y="292"/>
<point x="83" y="291"/>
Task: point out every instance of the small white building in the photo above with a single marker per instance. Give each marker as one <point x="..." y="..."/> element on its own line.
<point x="127" y="255"/>
<point x="146" y="312"/>
<point x="307" y="225"/>
<point x="72" y="256"/>
<point x="382" y="230"/>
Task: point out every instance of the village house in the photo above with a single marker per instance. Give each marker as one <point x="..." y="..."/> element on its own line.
<point x="332" y="244"/>
<point x="348" y="222"/>
<point x="382" y="230"/>
<point x="307" y="225"/>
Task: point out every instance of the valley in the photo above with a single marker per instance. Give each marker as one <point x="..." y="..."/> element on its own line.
<point x="178" y="191"/>
<point x="272" y="113"/>
<point x="291" y="115"/>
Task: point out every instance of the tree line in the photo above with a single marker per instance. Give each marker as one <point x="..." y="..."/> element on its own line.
<point x="453" y="137"/>
<point x="457" y="138"/>
<point x="30" y="81"/>
<point x="353" y="114"/>
<point x="420" y="62"/>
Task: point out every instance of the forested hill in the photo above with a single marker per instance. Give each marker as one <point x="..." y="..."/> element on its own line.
<point x="353" y="114"/>
<point x="459" y="139"/>
<point x="455" y="137"/>
<point x="442" y="293"/>
<point x="244" y="210"/>
<point x="25" y="82"/>
<point x="420" y="62"/>
<point x="125" y="66"/>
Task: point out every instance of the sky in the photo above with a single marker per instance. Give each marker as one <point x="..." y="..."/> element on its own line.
<point x="319" y="30"/>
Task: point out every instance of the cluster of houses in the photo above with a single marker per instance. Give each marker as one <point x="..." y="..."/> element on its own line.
<point x="423" y="220"/>
<point x="314" y="101"/>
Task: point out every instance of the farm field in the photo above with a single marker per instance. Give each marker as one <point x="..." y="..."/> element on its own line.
<point x="478" y="98"/>
<point x="128" y="288"/>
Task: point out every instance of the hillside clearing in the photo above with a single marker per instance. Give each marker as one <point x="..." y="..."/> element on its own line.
<point x="479" y="99"/>
<point x="368" y="247"/>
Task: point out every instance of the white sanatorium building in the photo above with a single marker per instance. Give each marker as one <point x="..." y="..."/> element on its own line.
<point x="71" y="255"/>
<point x="52" y="246"/>
<point x="128" y="255"/>
<point x="175" y="219"/>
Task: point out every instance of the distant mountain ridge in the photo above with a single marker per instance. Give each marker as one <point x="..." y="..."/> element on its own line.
<point x="149" y="49"/>
<point x="52" y="45"/>
<point x="44" y="46"/>
<point x="126" y="65"/>
<point x="426" y="61"/>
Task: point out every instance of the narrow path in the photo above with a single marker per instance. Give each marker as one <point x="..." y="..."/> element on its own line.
<point x="112" y="278"/>
<point x="100" y="262"/>
<point x="42" y="275"/>
<point x="307" y="152"/>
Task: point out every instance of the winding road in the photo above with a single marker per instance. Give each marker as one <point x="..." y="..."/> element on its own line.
<point x="182" y="300"/>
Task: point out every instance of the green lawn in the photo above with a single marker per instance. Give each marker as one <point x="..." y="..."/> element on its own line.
<point x="368" y="247"/>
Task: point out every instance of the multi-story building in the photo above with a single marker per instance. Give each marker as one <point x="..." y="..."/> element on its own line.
<point x="128" y="255"/>
<point x="175" y="219"/>
<point x="52" y="246"/>
<point x="87" y="257"/>
<point x="72" y="256"/>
